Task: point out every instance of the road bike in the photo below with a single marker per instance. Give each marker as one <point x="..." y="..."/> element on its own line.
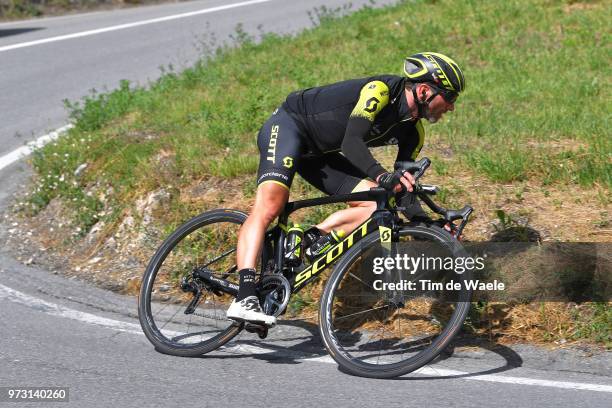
<point x="370" y="323"/>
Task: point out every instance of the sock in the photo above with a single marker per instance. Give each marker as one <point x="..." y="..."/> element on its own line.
<point x="247" y="284"/>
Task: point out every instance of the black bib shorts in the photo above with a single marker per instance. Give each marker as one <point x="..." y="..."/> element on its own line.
<point x="283" y="151"/>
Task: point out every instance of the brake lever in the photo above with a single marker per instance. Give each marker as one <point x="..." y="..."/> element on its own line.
<point x="463" y="214"/>
<point x="417" y="169"/>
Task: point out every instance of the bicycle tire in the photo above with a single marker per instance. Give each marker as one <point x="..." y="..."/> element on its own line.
<point x="166" y="341"/>
<point x="342" y="342"/>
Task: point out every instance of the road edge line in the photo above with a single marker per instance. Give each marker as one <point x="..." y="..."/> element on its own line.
<point x="26" y="150"/>
<point x="129" y="25"/>
<point x="89" y="318"/>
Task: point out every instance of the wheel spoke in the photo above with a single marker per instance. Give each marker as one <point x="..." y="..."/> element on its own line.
<point x="223" y="255"/>
<point x="392" y="332"/>
<point x="163" y="299"/>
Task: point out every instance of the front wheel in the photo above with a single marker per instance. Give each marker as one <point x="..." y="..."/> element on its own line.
<point x="179" y="313"/>
<point x="374" y="322"/>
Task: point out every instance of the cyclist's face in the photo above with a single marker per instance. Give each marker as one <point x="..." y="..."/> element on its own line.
<point x="438" y="107"/>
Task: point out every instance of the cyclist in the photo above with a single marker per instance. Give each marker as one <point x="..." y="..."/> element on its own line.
<point x="323" y="134"/>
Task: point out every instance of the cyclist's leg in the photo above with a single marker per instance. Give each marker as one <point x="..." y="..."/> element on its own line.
<point x="350" y="218"/>
<point x="269" y="202"/>
<point x="334" y="174"/>
<point x="279" y="147"/>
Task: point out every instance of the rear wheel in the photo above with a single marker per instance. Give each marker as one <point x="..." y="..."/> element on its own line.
<point x="179" y="313"/>
<point x="373" y="329"/>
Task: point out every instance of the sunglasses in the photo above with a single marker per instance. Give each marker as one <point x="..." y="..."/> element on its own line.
<point x="449" y="97"/>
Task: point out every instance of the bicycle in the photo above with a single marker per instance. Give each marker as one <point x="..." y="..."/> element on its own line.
<point x="192" y="278"/>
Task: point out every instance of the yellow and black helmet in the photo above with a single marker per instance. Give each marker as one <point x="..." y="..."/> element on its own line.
<point x="435" y="68"/>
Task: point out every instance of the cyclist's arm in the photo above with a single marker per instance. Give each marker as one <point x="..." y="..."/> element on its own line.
<point x="373" y="98"/>
<point x="406" y="150"/>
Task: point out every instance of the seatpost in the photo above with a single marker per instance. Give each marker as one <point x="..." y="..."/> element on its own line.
<point x="283" y="218"/>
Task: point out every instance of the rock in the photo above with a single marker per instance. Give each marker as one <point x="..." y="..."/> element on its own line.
<point x="132" y="262"/>
<point x="93" y="233"/>
<point x="155" y="200"/>
<point x="111" y="243"/>
<point x="79" y="170"/>
<point x="126" y="225"/>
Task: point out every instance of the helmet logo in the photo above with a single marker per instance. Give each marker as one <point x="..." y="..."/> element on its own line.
<point x="439" y="72"/>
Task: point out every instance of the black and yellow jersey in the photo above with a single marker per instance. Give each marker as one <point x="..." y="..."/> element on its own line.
<point x="352" y="115"/>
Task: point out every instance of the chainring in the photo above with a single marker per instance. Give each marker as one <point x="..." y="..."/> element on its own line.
<point x="274" y="293"/>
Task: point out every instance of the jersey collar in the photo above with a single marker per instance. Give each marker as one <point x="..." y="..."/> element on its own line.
<point x="403" y="109"/>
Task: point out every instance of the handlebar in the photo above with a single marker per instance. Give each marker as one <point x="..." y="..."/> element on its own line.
<point x="415" y="168"/>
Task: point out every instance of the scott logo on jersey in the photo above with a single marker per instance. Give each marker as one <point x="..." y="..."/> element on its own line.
<point x="272" y="145"/>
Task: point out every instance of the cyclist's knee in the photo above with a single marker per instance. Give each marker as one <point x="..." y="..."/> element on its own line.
<point x="370" y="205"/>
<point x="269" y="202"/>
<point x="364" y="185"/>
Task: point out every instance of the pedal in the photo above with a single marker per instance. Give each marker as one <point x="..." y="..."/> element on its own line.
<point x="260" y="329"/>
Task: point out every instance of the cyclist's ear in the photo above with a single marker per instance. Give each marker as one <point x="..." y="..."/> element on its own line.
<point x="422" y="92"/>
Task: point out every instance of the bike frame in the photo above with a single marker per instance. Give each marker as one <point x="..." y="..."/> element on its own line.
<point x="383" y="219"/>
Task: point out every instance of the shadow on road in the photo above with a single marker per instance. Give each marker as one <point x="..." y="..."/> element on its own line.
<point x="305" y="343"/>
<point x="511" y="357"/>
<point x="16" y="31"/>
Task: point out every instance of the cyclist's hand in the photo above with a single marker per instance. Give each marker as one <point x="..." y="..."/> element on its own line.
<point x="408" y="181"/>
<point x="447" y="226"/>
<point x="388" y="181"/>
<point x="394" y="181"/>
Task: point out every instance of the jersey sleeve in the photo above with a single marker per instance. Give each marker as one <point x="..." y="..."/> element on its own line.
<point x="407" y="151"/>
<point x="373" y="97"/>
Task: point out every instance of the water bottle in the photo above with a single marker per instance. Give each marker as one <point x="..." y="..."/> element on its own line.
<point x="293" y="246"/>
<point x="324" y="244"/>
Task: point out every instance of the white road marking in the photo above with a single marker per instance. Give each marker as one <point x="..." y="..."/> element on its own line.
<point x="516" y="380"/>
<point x="129" y="25"/>
<point x="464" y="375"/>
<point x="61" y="311"/>
<point x="23" y="151"/>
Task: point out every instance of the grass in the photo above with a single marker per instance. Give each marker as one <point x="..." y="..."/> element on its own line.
<point x="525" y="114"/>
<point x="15" y="9"/>
<point x="545" y="322"/>
<point x="595" y="322"/>
<point x="536" y="109"/>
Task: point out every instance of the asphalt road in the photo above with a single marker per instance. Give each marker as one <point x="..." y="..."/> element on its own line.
<point x="62" y="332"/>
<point x="36" y="78"/>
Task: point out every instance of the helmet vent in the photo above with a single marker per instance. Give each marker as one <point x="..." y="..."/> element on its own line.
<point x="411" y="67"/>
